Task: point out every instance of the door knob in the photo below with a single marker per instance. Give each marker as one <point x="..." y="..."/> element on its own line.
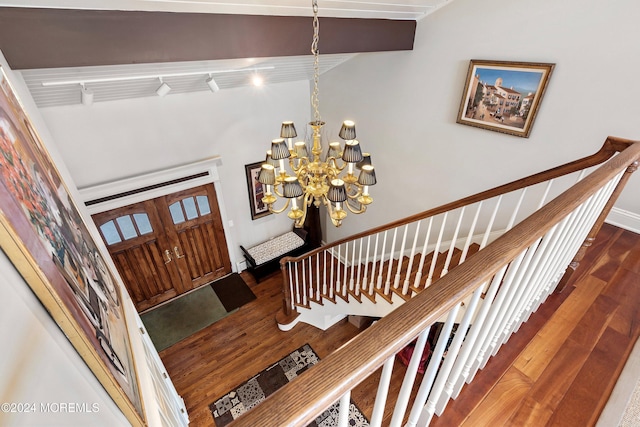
<point x="167" y="254"/>
<point x="177" y="252"/>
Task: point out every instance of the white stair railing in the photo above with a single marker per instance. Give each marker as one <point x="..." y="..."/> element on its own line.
<point x="405" y="259"/>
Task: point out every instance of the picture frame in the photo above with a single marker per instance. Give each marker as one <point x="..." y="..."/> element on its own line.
<point x="503" y="96"/>
<point x="45" y="237"/>
<point x="256" y="191"/>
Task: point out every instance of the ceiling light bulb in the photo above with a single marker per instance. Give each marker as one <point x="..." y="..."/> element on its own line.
<point x="257" y="80"/>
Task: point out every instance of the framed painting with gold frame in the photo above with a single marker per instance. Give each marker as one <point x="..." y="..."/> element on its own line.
<point x="45" y="237"/>
<point x="503" y="96"/>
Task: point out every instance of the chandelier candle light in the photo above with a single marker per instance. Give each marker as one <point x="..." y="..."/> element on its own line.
<point x="326" y="178"/>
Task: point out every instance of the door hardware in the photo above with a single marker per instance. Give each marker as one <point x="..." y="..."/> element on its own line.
<point x="177" y="252"/>
<point x="167" y="253"/>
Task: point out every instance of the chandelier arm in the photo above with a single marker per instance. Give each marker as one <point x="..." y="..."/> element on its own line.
<point x="302" y="166"/>
<point x="277" y="211"/>
<point x="355" y="210"/>
<point x="358" y="192"/>
<point x="299" y="223"/>
<point x="335" y="164"/>
<point x="275" y="190"/>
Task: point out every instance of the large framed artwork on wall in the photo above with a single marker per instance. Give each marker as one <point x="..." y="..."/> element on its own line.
<point x="43" y="234"/>
<point x="503" y="96"/>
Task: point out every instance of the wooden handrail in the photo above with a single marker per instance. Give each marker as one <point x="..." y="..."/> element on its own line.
<point x="299" y="402"/>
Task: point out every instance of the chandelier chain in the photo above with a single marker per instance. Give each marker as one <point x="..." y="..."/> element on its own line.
<point x="316" y="62"/>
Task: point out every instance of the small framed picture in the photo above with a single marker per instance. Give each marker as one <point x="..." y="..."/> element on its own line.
<point x="256" y="191"/>
<point x="503" y="96"/>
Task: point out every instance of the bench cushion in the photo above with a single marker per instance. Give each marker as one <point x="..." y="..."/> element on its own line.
<point x="271" y="249"/>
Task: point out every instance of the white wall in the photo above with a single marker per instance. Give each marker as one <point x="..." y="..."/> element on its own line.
<point x="405" y="103"/>
<point x="40" y="367"/>
<point x="112" y="140"/>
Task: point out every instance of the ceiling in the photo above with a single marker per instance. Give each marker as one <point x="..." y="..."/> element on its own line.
<point x="184" y="42"/>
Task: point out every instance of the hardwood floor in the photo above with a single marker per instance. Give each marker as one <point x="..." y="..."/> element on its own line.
<point x="559" y="369"/>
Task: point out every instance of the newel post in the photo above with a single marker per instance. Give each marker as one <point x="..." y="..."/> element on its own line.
<point x="288" y="314"/>
<point x="596" y="227"/>
<point x="286" y="291"/>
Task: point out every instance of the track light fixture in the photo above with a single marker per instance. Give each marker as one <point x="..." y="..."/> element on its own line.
<point x="163" y="89"/>
<point x="212" y="84"/>
<point x="86" y="95"/>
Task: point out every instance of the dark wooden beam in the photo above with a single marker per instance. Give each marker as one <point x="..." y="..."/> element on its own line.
<point x="50" y="38"/>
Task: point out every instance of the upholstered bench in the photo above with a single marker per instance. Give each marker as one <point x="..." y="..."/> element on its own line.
<point x="264" y="258"/>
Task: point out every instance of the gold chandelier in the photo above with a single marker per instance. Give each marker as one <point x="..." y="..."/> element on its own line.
<point x="327" y="177"/>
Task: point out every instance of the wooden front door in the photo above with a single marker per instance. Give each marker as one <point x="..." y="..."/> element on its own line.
<point x="166" y="246"/>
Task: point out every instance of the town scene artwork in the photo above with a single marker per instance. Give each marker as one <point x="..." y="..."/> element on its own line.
<point x="503" y="96"/>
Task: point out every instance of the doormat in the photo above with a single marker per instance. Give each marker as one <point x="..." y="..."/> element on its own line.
<point x="233" y="291"/>
<point x="251" y="393"/>
<point x="190" y="313"/>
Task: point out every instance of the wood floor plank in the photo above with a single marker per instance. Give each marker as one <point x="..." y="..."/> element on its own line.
<point x="615" y="255"/>
<point x="530" y="413"/>
<point x="562" y="369"/>
<point x="503" y="399"/>
<point x="632" y="261"/>
<point x="535" y="358"/>
<point x="626" y="289"/>
<point x="580" y="405"/>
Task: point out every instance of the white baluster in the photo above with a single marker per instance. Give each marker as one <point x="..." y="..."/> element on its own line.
<point x="373" y="263"/>
<point x="387" y="284"/>
<point x="343" y="415"/>
<point x="294" y="292"/>
<point x="383" y="391"/>
<point x="365" y="277"/>
<point x="434" y="365"/>
<point x="345" y="270"/>
<point x="332" y="282"/>
<point x="447" y="262"/>
<point x="423" y="255"/>
<point x="396" y="280"/>
<point x="487" y="231"/>
<point x="358" y="277"/>
<point x="409" y="380"/>
<point x="305" y="284"/>
<point x="467" y="244"/>
<point x="338" y="282"/>
<point x="382" y="253"/>
<point x="436" y="250"/>
<point x="353" y="284"/>
<point x="406" y="284"/>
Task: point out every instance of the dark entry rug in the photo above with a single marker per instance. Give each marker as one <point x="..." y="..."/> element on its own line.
<point x="233" y="291"/>
<point x="251" y="393"/>
<point x="190" y="313"/>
